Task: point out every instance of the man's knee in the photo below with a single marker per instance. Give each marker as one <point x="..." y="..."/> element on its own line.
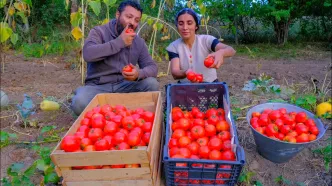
<point x="80" y="100"/>
<point x="151" y="84"/>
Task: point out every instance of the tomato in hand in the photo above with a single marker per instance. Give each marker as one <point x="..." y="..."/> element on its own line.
<point x="127" y="68"/>
<point x="208" y="62"/>
<point x="191" y="76"/>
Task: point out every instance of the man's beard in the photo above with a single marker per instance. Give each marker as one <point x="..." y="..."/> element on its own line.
<point x="119" y="26"/>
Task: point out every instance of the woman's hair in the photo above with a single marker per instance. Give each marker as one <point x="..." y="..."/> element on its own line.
<point x="190" y="12"/>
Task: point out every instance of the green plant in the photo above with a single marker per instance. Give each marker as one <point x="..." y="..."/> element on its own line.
<point x="326" y="152"/>
<point x="44" y="166"/>
<point x="305" y="101"/>
<point x="246" y="177"/>
<point x="282" y="180"/>
<point x="262" y="85"/>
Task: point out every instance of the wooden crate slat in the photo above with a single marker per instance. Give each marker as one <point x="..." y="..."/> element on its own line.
<point x="107" y="174"/>
<point x="112" y="183"/>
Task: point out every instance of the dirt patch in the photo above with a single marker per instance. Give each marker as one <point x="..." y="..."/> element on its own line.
<point x="52" y="76"/>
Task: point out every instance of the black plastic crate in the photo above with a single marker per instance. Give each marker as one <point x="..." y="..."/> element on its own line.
<point x="201" y="172"/>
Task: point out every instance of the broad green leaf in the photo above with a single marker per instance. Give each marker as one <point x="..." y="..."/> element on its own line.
<point x="16" y="167"/>
<point x="159" y="26"/>
<point x="150" y="21"/>
<point x="4" y="136"/>
<point x="202" y="7"/>
<point x="2" y="3"/>
<point x="31" y="170"/>
<point x="14" y="39"/>
<point x="19" y="6"/>
<point x="26" y="181"/>
<point x="22" y="15"/>
<point x="75" y="19"/>
<point x="110" y="2"/>
<point x="77" y="33"/>
<point x="258" y="183"/>
<point x="40" y="164"/>
<point x="16" y="181"/>
<point x="28" y="2"/>
<point x="47" y="129"/>
<point x="5" y="32"/>
<point x="199" y="2"/>
<point x="144" y="16"/>
<point x="96" y="6"/>
<point x="327" y="4"/>
<point x="48" y="169"/>
<point x="51" y="178"/>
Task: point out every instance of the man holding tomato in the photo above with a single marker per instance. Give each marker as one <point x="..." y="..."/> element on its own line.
<point x="112" y="52"/>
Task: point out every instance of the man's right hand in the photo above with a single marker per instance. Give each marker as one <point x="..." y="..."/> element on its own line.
<point x="127" y="37"/>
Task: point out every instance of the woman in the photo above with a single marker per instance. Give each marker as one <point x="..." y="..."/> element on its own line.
<point x="188" y="53"/>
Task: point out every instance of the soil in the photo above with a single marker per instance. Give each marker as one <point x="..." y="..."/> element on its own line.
<point x="54" y="76"/>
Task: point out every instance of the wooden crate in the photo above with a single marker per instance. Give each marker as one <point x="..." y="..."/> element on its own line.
<point x="149" y="157"/>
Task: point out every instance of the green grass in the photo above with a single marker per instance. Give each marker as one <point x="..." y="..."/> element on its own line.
<point x="288" y="51"/>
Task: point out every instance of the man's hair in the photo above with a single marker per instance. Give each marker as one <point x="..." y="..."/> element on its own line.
<point x="133" y="4"/>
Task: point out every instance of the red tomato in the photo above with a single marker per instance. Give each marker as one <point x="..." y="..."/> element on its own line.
<point x="109" y="115"/>
<point x="109" y="139"/>
<point x="209" y="61"/>
<point x="282" y="111"/>
<point x="117" y="119"/>
<point x="119" y="137"/>
<point x="280" y="136"/>
<point x="132" y="166"/>
<point x="138" y="130"/>
<point x="301" y="117"/>
<point x="290" y="139"/>
<point x="260" y="130"/>
<point x="194" y="111"/>
<point x="128" y="123"/>
<point x="310" y="123"/>
<point x="183" y="123"/>
<point x="204" y="152"/>
<point x="271" y="130"/>
<point x="213" y="120"/>
<point x="97" y="115"/>
<point x="110" y="128"/>
<point x="88" y="114"/>
<point x="210" y="130"/>
<point x="198" y="122"/>
<point x="85" y="142"/>
<point x="106" y="167"/>
<point x="288" y="120"/>
<point x="139" y="111"/>
<point x="285" y="129"/>
<point x="105" y="109"/>
<point x="139" y="122"/>
<point x="129" y="30"/>
<point x="197" y="132"/>
<point x="188" y="133"/>
<point x="267" y="111"/>
<point x="147" y="127"/>
<point x="302" y="138"/>
<point x="185" y="152"/>
<point x="215" y="144"/>
<point x="312" y="137"/>
<point x="89" y="148"/>
<point x="279" y="123"/>
<point x="127" y="68"/>
<point x="275" y="114"/>
<point x="91" y="167"/>
<point x="215" y="155"/>
<point x="224" y="135"/>
<point x="292" y="133"/>
<point x="301" y="128"/>
<point x="193" y="147"/>
<point x="86" y="121"/>
<point x="211" y="112"/>
<point x="255" y="114"/>
<point x="173" y="151"/>
<point x="177" y="114"/>
<point x="255" y="125"/>
<point x="184" y="141"/>
<point x="148" y="116"/>
<point x="203" y="141"/>
<point x="178" y="133"/>
<point x="222" y="126"/>
<point x="226" y="145"/>
<point x="191" y="76"/>
<point x="314" y="130"/>
<point x="200" y="115"/>
<point x="85" y="129"/>
<point x="172" y="143"/>
<point x="117" y="166"/>
<point x="70" y="144"/>
<point x="228" y="155"/>
<point x="122" y="146"/>
<point x="199" y="78"/>
<point x="95" y="134"/>
<point x="263" y="120"/>
<point x="80" y="135"/>
<point x="98" y="122"/>
<point x="133" y="139"/>
<point x="102" y="145"/>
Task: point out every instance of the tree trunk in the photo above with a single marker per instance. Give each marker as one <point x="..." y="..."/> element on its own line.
<point x="281" y="29"/>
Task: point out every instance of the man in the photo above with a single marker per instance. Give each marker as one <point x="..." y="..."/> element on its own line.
<point x="107" y="50"/>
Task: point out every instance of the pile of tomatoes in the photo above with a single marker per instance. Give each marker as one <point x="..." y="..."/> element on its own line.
<point x="199" y="135"/>
<point x="195" y="77"/>
<point x="293" y="127"/>
<point x="110" y="128"/>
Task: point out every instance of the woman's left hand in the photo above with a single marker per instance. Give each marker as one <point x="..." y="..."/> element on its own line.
<point x="218" y="57"/>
